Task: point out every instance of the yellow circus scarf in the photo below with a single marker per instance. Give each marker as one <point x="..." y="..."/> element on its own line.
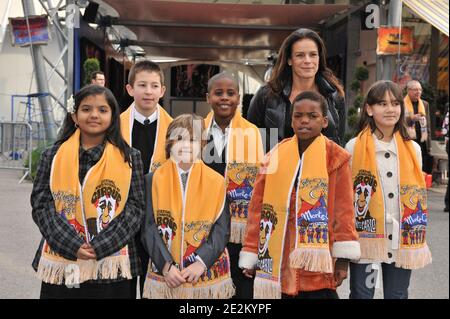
<point x="410" y="108"/>
<point x="89" y="208"/>
<point x="370" y="207"/>
<point x="312" y="251"/>
<point x="184" y="226"/>
<point x="243" y="158"/>
<point x="164" y="119"/>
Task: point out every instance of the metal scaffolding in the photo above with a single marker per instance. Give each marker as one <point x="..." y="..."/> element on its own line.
<point x="63" y="26"/>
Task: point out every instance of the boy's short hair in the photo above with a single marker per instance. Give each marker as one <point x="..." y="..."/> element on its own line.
<point x="193" y="123"/>
<point x="144" y="65"/>
<point x="222" y="75"/>
<point x="313" y="96"/>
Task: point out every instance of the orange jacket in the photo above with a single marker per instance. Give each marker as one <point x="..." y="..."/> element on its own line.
<point x="343" y="237"/>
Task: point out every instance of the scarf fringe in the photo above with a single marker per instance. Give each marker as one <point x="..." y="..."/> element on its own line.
<point x="159" y="290"/>
<point x="87" y="270"/>
<point x="312" y="259"/>
<point x="51" y="272"/>
<point x="111" y="267"/>
<point x="237" y="232"/>
<point x="54" y="272"/>
<point x="266" y="289"/>
<point x="373" y="249"/>
<point x="413" y="258"/>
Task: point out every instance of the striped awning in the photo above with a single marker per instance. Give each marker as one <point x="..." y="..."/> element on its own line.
<point x="434" y="12"/>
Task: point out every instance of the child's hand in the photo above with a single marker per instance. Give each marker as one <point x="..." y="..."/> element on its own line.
<point x="173" y="276"/>
<point x="250" y="273"/>
<point x="340" y="271"/>
<point x="193" y="272"/>
<point x="86" y="252"/>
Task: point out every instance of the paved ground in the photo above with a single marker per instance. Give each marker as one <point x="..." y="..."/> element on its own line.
<point x="19" y="239"/>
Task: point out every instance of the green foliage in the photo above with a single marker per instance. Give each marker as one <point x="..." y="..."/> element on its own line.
<point x="89" y="66"/>
<point x="361" y="73"/>
<point x="353" y="120"/>
<point x="355" y="86"/>
<point x="352" y="111"/>
<point x="358" y="102"/>
<point x="35" y="158"/>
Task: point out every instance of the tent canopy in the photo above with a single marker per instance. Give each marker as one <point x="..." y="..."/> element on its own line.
<point x="243" y="33"/>
<point x="435" y="12"/>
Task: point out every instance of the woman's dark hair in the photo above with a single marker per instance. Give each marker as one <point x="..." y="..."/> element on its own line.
<point x="282" y="71"/>
<point x="375" y="95"/>
<point x="113" y="134"/>
<point x="313" y="96"/>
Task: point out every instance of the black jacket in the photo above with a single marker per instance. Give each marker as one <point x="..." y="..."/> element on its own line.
<point x="274" y="111"/>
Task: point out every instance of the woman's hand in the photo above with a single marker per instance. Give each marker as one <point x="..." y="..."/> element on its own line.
<point x="86" y="252"/>
<point x="173" y="276"/>
<point x="250" y="273"/>
<point x="193" y="272"/>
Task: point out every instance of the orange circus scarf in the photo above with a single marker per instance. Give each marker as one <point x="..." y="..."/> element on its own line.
<point x="89" y="208"/>
<point x="370" y="207"/>
<point x="312" y="252"/>
<point x="243" y="159"/>
<point x="410" y="108"/>
<point x="185" y="226"/>
<point x="164" y="119"/>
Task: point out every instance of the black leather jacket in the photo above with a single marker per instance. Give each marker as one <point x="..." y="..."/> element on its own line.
<point x="274" y="111"/>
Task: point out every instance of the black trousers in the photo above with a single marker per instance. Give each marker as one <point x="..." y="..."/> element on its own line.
<point x="446" y="197"/>
<point x="243" y="284"/>
<point x="318" y="294"/>
<point x="427" y="160"/>
<point x="117" y="290"/>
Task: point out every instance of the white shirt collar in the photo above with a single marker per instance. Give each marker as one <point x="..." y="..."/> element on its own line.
<point x="141" y="118"/>
<point x="216" y="126"/>
<point x="181" y="171"/>
<point x="220" y="138"/>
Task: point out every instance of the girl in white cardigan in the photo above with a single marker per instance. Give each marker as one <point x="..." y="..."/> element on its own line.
<point x="391" y="229"/>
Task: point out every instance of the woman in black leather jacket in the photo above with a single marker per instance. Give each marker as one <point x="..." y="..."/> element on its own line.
<point x="301" y="66"/>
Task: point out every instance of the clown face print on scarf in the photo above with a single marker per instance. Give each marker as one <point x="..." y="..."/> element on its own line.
<point x="267" y="227"/>
<point x="364" y="186"/>
<point x="106" y="207"/>
<point x="106" y="200"/>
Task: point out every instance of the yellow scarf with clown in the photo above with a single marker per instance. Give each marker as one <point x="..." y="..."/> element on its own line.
<point x="309" y="174"/>
<point x="370" y="217"/>
<point x="89" y="208"/>
<point x="186" y="226"/>
<point x="243" y="158"/>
